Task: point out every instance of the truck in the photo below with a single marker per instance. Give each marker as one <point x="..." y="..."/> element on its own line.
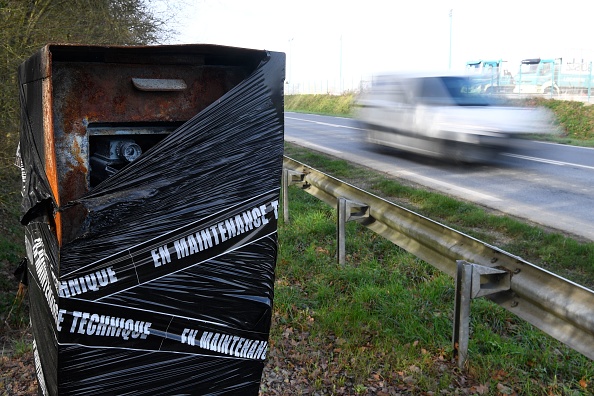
<point x="552" y="76"/>
<point x="490" y="76"/>
<point x="440" y="115"/>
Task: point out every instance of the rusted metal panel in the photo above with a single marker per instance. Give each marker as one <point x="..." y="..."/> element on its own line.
<point x="89" y="93"/>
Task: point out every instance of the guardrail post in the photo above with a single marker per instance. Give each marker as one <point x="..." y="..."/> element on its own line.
<point x="462" y="312"/>
<point x="290" y="177"/>
<point x="472" y="281"/>
<point x="346" y="211"/>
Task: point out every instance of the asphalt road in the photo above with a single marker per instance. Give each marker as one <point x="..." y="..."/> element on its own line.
<point x="548" y="184"/>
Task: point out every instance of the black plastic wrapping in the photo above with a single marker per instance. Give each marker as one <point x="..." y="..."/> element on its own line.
<point x="166" y="285"/>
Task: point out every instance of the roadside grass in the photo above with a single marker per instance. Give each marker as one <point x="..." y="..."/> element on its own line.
<point x="553" y="251"/>
<point x="388" y="314"/>
<point x="341" y="105"/>
<point x="386" y="317"/>
<point x="576" y="118"/>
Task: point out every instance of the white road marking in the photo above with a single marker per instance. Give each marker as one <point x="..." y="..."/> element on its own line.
<point x="317" y="147"/>
<point x="325" y="123"/>
<point x="414" y="177"/>
<point x="464" y="192"/>
<point x="562" y="145"/>
<point x="524" y="211"/>
<point x="547" y="161"/>
<point x="424" y="180"/>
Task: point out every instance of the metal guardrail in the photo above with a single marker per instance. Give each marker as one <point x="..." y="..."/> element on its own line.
<point x="557" y="306"/>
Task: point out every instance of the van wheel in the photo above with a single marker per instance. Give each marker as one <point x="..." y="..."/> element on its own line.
<point x="453" y="152"/>
<point x="548" y="91"/>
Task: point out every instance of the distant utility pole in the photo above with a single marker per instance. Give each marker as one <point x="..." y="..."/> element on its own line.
<point x="291" y="66"/>
<point x="340" y="74"/>
<point x="450" y="61"/>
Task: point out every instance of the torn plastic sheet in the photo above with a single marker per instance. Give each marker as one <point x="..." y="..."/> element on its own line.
<point x="166" y="287"/>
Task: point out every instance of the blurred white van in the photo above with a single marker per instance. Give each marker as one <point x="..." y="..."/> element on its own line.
<point x="443" y="116"/>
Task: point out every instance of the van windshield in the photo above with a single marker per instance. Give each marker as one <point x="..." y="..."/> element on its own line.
<point x="450" y="91"/>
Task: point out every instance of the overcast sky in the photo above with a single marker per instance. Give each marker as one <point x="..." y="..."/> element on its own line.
<point x="326" y="39"/>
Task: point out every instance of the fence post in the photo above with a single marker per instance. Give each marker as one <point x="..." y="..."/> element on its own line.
<point x="589" y="80"/>
<point x="520" y="82"/>
<point x="553" y="80"/>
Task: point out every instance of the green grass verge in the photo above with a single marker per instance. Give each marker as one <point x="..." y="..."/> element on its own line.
<point x="556" y="252"/>
<point x="389" y="314"/>
<point x="340" y="105"/>
<point x="386" y="316"/>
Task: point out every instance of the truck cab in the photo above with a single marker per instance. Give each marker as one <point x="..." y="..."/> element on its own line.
<point x="491" y="76"/>
<point x="538" y="76"/>
<point x="553" y="76"/>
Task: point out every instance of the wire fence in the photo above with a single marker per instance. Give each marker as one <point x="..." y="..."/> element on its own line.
<point x="326" y="87"/>
<point x="338" y="87"/>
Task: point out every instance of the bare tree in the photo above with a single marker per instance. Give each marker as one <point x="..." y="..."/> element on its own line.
<point x="27" y="25"/>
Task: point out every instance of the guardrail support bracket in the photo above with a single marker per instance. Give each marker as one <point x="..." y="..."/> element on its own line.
<point x="291" y="177"/>
<point x="473" y="281"/>
<point x="347" y="211"/>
